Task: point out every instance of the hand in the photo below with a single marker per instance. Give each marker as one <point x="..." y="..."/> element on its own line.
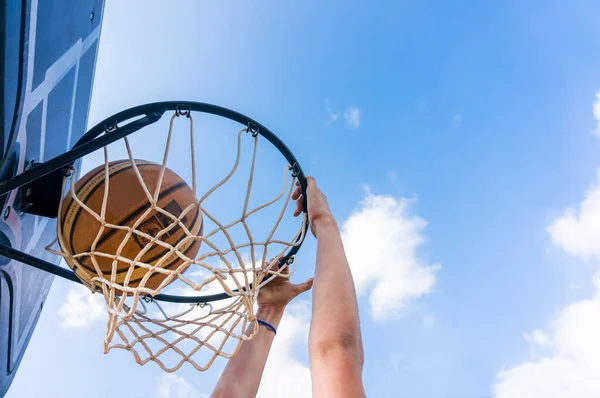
<point x="318" y="208"/>
<point x="280" y="291"/>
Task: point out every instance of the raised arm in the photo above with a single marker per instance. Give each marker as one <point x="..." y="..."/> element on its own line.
<point x="335" y="342"/>
<point x="242" y="374"/>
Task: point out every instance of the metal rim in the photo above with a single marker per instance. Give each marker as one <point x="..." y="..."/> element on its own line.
<point x="110" y="125"/>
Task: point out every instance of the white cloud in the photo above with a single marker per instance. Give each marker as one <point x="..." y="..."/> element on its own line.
<point x="538" y="337"/>
<point x="381" y="239"/>
<point x="352" y="116"/>
<point x="332" y="116"/>
<point x="572" y="370"/>
<point x="285" y="375"/>
<point x="173" y="386"/>
<point x="81" y="309"/>
<point x="577" y="231"/>
<point x="597" y="113"/>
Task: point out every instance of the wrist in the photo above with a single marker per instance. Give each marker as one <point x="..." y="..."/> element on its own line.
<point x="270" y="313"/>
<point x="323" y="222"/>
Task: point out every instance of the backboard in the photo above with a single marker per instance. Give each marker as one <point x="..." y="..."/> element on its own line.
<point x="48" y="50"/>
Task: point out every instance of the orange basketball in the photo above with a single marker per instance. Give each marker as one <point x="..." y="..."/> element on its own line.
<point x="126" y="204"/>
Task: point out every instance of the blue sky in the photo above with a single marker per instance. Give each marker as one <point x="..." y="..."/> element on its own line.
<point x="450" y="138"/>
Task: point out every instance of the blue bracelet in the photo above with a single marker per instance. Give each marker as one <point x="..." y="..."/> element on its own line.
<point x="267" y="325"/>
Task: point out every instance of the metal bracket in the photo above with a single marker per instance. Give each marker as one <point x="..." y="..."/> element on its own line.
<point x="295" y="170"/>
<point x="183" y="110"/>
<point x="252" y="129"/>
<point x="42" y="196"/>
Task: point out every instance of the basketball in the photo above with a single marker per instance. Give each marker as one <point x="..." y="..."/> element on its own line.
<point x="127" y="202"/>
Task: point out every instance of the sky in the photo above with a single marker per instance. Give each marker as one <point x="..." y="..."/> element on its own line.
<point x="459" y="147"/>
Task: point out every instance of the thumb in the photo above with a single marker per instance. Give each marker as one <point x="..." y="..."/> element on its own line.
<point x="311" y="186"/>
<point x="304" y="286"/>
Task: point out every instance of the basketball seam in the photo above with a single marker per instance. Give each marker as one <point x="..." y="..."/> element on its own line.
<point x="134" y="214"/>
<point x="73" y="202"/>
<point x="174" y="188"/>
<point x="148" y="261"/>
<point x="168" y="266"/>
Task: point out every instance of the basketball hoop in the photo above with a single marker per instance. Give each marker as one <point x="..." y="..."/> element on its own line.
<point x="180" y="325"/>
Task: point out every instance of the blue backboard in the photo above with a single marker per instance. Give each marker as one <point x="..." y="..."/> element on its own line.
<point x="48" y="50"/>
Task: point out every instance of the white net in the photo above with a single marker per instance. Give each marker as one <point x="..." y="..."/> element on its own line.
<point x="232" y="260"/>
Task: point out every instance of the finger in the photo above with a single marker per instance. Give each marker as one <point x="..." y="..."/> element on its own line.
<point x="311" y="188"/>
<point x="297" y="193"/>
<point x="285" y="269"/>
<point x="272" y="265"/>
<point x="299" y="207"/>
<point x="283" y="266"/>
